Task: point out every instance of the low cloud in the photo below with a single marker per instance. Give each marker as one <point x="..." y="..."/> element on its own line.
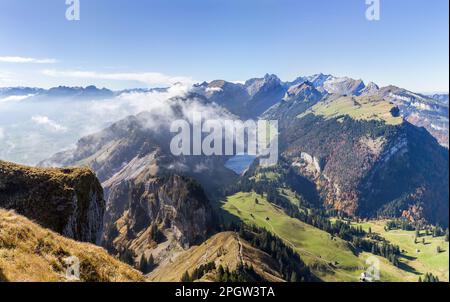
<point x="48" y="123"/>
<point x="2" y="134"/>
<point x="46" y="127"/>
<point x="24" y="60"/>
<point x="16" y="98"/>
<point x="148" y="78"/>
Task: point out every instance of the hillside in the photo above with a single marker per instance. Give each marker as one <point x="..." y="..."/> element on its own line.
<point x="68" y="201"/>
<point x="225" y="249"/>
<point x="330" y="258"/>
<point x="29" y="252"/>
<point x="366" y="161"/>
<point x="358" y="108"/>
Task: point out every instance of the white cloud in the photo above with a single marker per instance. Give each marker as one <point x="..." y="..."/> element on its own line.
<point x="149" y="78"/>
<point x="213" y="89"/>
<point x="23" y="60"/>
<point x="2" y="133"/>
<point x="48" y="123"/>
<point x="16" y="98"/>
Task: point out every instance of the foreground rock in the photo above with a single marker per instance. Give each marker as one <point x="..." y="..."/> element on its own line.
<point x="68" y="201"/>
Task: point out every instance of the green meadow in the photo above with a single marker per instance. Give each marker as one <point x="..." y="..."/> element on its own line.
<point x="330" y="258"/>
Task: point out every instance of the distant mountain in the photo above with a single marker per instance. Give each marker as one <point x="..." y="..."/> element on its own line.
<point x="245" y="100"/>
<point x="89" y="92"/>
<point x="443" y="98"/>
<point x="297" y="99"/>
<point x="19" y="91"/>
<point x="421" y="111"/>
<point x="258" y="95"/>
<point x="79" y="93"/>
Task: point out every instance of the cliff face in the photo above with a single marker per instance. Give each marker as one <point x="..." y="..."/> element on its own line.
<point x="68" y="201"/>
<point x="160" y="215"/>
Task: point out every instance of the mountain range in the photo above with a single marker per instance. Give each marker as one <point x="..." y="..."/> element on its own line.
<point x="349" y="151"/>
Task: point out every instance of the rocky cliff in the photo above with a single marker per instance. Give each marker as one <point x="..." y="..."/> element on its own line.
<point x="157" y="215"/>
<point x="68" y="201"/>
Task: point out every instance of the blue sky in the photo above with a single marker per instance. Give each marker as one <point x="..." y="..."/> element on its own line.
<point x="138" y="43"/>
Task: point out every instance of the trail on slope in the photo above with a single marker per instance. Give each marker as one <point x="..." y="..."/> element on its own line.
<point x="293" y="246"/>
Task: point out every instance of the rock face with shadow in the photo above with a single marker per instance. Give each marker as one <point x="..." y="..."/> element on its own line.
<point x="68" y="201"/>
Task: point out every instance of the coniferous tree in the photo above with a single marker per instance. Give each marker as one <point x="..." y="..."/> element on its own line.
<point x="186" y="277"/>
<point x="143" y="264"/>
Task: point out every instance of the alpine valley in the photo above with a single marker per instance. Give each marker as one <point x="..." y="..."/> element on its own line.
<point x="363" y="172"/>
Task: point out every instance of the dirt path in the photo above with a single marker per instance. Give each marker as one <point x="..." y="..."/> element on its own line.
<point x="241" y="256"/>
<point x="294" y="247"/>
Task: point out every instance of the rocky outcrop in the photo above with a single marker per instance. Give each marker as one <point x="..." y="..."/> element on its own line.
<point x="160" y="215"/>
<point x="68" y="201"/>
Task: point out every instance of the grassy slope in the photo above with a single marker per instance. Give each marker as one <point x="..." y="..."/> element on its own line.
<point x="427" y="260"/>
<point x="314" y="246"/>
<point x="359" y="108"/>
<point x="29" y="252"/>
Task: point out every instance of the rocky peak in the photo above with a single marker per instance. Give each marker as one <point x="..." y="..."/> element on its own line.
<point x="305" y="90"/>
<point x="256" y="85"/>
<point x="344" y="86"/>
<point x="370" y="89"/>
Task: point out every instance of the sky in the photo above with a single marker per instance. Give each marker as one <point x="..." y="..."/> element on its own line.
<point x="152" y="43"/>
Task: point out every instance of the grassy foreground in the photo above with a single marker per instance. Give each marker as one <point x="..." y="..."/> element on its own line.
<point x="30" y="253"/>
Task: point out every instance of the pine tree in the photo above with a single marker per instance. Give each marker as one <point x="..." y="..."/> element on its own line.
<point x="186" y="277"/>
<point x="150" y="263"/>
<point x="143" y="265"/>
